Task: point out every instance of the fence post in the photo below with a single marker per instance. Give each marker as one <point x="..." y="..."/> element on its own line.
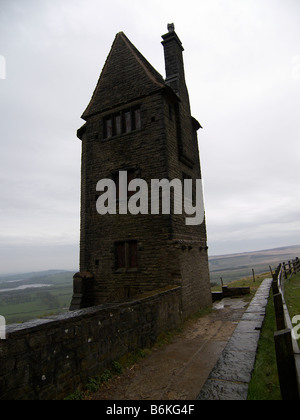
<point x="286" y="365"/>
<point x="297" y="265"/>
<point x="290" y="268"/>
<point x="284" y="269"/>
<point x="293" y="266"/>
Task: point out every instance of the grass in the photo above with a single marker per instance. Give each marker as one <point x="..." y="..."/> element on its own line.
<point x="265" y="382"/>
<point x="116" y="368"/>
<point x="51" y="301"/>
<point x="264" y="385"/>
<point x="234" y="267"/>
<point x="24" y="305"/>
<point x="245" y="282"/>
<point x="292" y="296"/>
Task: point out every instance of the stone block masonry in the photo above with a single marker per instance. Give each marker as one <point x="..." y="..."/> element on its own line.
<point x="48" y="359"/>
<point x="140" y="125"/>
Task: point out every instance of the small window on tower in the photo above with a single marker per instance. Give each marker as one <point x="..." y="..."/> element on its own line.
<point x="126" y="255"/>
<point x="137" y="119"/>
<point x="118" y="123"/>
<point x="127" y="121"/>
<point x="108" y="128"/>
<point x="133" y="261"/>
<point x="120" y="255"/>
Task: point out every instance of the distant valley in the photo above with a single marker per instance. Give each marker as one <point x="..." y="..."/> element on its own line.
<point x="236" y="266"/>
<point x="34" y="295"/>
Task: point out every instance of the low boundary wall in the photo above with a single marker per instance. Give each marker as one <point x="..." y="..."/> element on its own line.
<point x="49" y="358"/>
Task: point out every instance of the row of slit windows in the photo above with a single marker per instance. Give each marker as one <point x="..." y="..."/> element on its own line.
<point x="125" y="121"/>
<point x="122" y="122"/>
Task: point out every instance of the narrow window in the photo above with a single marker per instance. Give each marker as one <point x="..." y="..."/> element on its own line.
<point x="118" y="124"/>
<point x="122" y="122"/>
<point x="126" y="255"/>
<point x="137" y="119"/>
<point x="108" y="128"/>
<point x="127" y="121"/>
<point x="132" y="247"/>
<point x="120" y="255"/>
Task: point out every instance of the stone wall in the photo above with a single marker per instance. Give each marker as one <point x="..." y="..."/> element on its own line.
<point x="48" y="359"/>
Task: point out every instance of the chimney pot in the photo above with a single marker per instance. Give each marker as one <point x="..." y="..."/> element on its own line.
<point x="171" y="27"/>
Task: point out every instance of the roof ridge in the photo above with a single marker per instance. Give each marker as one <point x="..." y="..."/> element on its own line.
<point x="142" y="60"/>
<point x="152" y="74"/>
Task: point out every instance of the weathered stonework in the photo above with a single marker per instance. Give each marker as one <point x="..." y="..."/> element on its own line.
<point x="160" y="141"/>
<point x="48" y="359"/>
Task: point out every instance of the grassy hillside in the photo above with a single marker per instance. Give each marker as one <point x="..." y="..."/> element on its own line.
<point x="235" y="266"/>
<point x="53" y="289"/>
<point x="20" y="305"/>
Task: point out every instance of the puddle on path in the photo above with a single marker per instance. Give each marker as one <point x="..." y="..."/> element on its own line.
<point x="233" y="303"/>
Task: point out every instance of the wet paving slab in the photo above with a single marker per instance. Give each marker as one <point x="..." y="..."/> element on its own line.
<point x="230" y="378"/>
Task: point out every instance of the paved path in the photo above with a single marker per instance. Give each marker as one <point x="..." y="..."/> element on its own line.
<point x="230" y="378"/>
<point x="179" y="370"/>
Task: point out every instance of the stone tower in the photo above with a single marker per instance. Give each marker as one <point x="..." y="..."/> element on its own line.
<point x="140" y="124"/>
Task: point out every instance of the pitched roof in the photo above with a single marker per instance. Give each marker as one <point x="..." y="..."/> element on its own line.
<point x="126" y="75"/>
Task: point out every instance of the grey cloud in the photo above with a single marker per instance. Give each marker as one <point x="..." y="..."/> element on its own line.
<point x="239" y="69"/>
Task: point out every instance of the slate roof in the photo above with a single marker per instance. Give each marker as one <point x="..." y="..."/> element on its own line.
<point x="126" y="76"/>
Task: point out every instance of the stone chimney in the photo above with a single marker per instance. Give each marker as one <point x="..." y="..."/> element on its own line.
<point x="173" y="49"/>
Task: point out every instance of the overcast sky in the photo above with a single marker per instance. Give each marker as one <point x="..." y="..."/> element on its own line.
<point x="242" y="61"/>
